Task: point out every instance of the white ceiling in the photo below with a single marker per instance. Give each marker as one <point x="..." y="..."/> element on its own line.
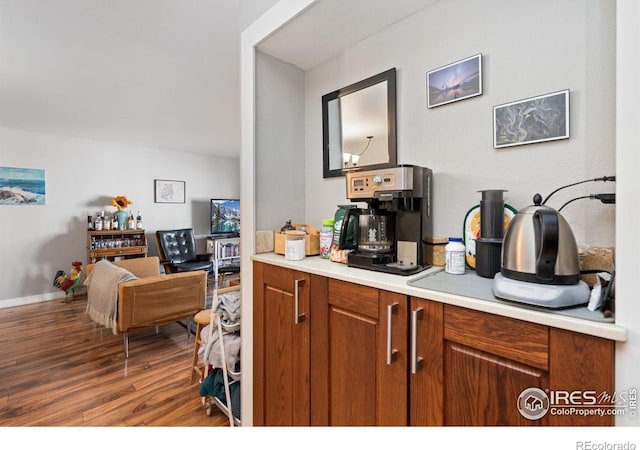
<point x="330" y="26"/>
<point x="157" y="73"/>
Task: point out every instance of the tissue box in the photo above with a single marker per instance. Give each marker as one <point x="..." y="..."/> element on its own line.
<point x="434" y="248"/>
<point x="311" y="240"/>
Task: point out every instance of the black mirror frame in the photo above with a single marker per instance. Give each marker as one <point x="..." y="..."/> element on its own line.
<point x="390" y="77"/>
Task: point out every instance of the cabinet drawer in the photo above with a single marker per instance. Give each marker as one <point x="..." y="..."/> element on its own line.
<point x="278" y="277"/>
<point x="354" y="297"/>
<point x="514" y="339"/>
<point x="117" y="251"/>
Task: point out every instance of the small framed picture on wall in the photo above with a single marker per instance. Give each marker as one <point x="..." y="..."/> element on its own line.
<point x="169" y="191"/>
<point x="455" y="81"/>
<point x="536" y="119"/>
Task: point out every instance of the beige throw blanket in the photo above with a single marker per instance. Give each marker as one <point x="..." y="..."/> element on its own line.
<point x="102" y="293"/>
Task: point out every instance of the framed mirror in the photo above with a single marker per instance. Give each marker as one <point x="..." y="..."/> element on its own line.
<point x="359" y="126"/>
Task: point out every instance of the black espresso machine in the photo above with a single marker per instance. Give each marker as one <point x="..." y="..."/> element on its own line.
<point x="388" y="235"/>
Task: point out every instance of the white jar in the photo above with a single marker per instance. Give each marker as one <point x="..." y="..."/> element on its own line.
<point x="294" y="245"/>
<point x="455" y="256"/>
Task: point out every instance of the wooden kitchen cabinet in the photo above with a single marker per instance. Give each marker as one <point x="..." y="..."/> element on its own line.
<point x="468" y="368"/>
<point x="364" y="356"/>
<point x="483" y="362"/>
<point x="441" y="370"/>
<point x="348" y="379"/>
<point x="367" y="356"/>
<point x="281" y="361"/>
<point x="577" y="363"/>
<point x="488" y="361"/>
<point x="426" y="359"/>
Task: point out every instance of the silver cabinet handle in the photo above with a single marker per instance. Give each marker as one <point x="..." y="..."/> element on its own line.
<point x="391" y="352"/>
<point x="297" y="317"/>
<point x="416" y="361"/>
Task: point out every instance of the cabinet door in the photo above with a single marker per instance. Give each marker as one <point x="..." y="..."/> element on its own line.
<point x="281" y="346"/>
<point x="580" y="363"/>
<point x="393" y="356"/>
<point x="489" y="361"/>
<point x="482" y="389"/>
<point x="367" y="366"/>
<point x="426" y="362"/>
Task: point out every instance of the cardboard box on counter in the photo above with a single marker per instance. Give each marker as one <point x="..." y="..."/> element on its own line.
<point x="596" y="258"/>
<point x="434" y="246"/>
<point x="311" y="240"/>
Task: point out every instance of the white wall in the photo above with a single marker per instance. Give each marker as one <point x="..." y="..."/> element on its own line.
<point x="527" y="51"/>
<point x="81" y="177"/>
<point x="279" y="143"/>
<point x="282" y="11"/>
<point x="628" y="162"/>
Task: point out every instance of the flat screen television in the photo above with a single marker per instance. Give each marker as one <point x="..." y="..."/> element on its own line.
<point x="225" y="217"/>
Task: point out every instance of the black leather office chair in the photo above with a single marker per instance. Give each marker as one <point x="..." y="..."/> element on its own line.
<point x="177" y="252"/>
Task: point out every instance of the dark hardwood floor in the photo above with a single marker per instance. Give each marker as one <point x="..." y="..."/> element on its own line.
<point x="59" y="368"/>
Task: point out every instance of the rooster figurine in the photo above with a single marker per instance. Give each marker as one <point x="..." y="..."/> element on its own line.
<point x="68" y="283"/>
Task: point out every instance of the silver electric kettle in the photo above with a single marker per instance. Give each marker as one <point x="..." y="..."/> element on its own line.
<point x="539" y="247"/>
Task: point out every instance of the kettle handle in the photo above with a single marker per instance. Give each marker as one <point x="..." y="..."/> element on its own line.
<point x="545" y="228"/>
<point x="350" y="213"/>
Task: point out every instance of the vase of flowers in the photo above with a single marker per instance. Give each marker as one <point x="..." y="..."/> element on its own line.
<point x="121" y="202"/>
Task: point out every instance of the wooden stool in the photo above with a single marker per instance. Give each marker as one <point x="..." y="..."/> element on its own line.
<point x="202" y="320"/>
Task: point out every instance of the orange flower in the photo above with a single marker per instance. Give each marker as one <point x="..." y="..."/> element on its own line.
<point x="121" y="202"/>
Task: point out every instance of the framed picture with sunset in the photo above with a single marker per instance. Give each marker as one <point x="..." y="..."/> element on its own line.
<point x="455" y="81"/>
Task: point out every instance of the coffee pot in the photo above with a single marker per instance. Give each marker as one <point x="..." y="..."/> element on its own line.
<point x="373" y="231"/>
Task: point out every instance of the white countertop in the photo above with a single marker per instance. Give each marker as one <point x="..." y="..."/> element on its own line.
<point x="397" y="283"/>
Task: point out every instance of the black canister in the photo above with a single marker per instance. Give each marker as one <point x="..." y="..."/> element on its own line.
<point x="489" y="244"/>
<point x="492" y="214"/>
<point x="488" y="256"/>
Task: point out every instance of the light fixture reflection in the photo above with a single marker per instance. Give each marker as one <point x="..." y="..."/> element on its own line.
<point x="351" y="159"/>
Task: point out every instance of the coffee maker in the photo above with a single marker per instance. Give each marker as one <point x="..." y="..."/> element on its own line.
<point x="388" y="235"/>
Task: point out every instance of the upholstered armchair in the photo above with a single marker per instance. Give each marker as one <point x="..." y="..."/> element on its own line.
<point x="152" y="299"/>
<point x="177" y="251"/>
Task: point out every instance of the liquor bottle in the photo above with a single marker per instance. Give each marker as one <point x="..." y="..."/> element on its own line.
<point x="99" y="223"/>
<point x="139" y="221"/>
<point x="106" y="223"/>
<point x="131" y="223"/>
<point x="114" y="222"/>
